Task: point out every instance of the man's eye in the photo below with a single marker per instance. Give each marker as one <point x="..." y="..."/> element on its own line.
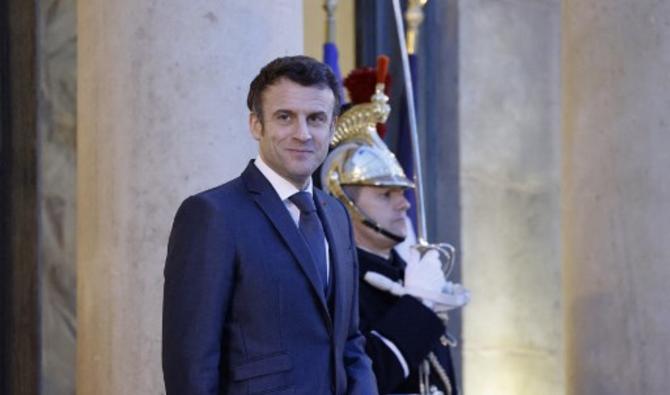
<point x="317" y="119"/>
<point x="283" y="117"/>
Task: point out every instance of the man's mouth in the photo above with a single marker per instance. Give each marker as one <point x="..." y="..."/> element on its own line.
<point x="300" y="150"/>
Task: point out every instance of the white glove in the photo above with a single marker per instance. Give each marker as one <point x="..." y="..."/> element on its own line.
<point x="424" y="274"/>
<point x="454" y="295"/>
<point x="454" y="289"/>
<point x="441" y="302"/>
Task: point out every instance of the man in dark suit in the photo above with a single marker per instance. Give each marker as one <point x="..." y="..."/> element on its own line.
<point x="261" y="273"/>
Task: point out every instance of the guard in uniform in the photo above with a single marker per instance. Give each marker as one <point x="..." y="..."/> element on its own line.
<point x="402" y="332"/>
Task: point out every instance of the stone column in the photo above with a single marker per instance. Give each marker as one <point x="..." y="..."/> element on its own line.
<point x="616" y="195"/>
<point x="161" y="115"/>
<point x="510" y="162"/>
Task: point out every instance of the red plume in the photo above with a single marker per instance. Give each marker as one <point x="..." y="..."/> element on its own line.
<point x="382" y="68"/>
<point x="361" y="83"/>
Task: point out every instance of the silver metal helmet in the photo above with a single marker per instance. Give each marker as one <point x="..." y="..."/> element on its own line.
<point x="361" y="158"/>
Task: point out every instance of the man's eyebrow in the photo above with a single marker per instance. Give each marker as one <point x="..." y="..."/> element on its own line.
<point x="283" y="111"/>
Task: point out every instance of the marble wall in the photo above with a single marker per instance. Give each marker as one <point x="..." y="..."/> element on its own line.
<point x="57" y="43"/>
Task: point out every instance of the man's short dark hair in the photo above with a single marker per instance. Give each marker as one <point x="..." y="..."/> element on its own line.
<point x="300" y="69"/>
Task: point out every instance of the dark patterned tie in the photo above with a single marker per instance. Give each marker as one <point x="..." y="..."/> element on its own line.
<point x="312" y="230"/>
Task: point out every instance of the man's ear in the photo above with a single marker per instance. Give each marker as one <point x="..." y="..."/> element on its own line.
<point x="255" y="126"/>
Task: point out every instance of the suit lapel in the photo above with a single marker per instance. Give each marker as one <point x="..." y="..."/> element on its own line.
<point x="275" y="210"/>
<point x="327" y="216"/>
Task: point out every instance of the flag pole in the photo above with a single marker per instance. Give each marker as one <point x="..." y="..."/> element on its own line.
<point x="330" y="53"/>
<point x="414" y="18"/>
<point x="329" y="6"/>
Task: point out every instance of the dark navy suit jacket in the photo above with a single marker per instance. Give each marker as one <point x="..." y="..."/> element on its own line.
<point x="243" y="311"/>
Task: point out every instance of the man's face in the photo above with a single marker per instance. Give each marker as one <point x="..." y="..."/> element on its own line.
<point x="296" y="128"/>
<point x="387" y="207"/>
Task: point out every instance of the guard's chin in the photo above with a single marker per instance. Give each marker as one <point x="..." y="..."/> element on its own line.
<point x="400" y="231"/>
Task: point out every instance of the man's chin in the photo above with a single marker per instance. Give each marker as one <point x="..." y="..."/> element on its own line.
<point x="398" y="228"/>
<point x="303" y="169"/>
<point x="301" y="174"/>
<point x="399" y="232"/>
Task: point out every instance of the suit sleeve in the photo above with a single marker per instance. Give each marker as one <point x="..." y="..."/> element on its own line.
<point x="412" y="328"/>
<point x="360" y="377"/>
<point x="199" y="272"/>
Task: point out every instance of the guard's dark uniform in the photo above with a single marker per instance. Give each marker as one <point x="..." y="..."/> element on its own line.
<point x="405" y="321"/>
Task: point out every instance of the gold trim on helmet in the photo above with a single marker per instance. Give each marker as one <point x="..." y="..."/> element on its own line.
<point x="359" y="122"/>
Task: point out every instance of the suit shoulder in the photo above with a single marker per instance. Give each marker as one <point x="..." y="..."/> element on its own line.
<point x="225" y="192"/>
<point x="223" y="199"/>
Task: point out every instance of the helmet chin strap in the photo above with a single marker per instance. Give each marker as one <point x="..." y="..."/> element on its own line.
<point x="377" y="228"/>
<point x="357" y="214"/>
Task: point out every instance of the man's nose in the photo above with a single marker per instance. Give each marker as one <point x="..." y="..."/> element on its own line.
<point x="403" y="204"/>
<point x="302" y="132"/>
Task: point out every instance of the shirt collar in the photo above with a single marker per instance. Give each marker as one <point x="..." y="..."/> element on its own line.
<point x="282" y="186"/>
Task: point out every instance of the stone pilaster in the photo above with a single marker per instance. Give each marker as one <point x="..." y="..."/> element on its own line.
<point x="510" y="175"/>
<point x="161" y="115"/>
<point x="616" y="195"/>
